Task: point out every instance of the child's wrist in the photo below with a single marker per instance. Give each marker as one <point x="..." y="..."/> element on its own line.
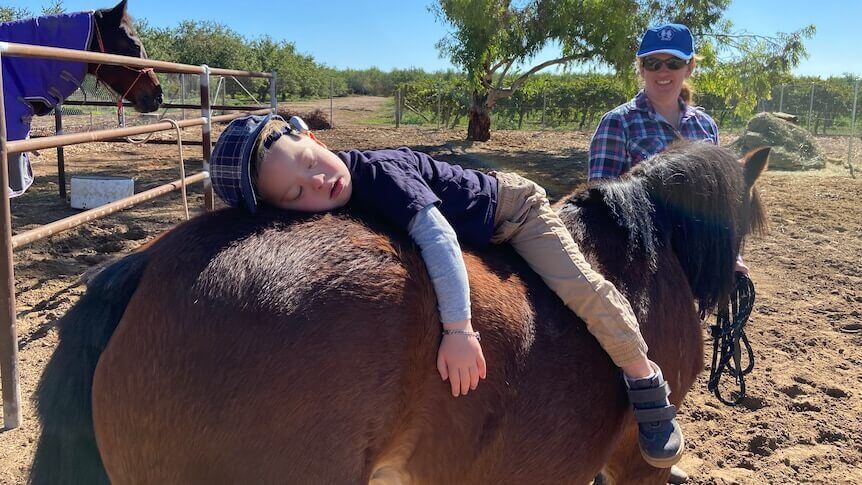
<point x="459" y="325"/>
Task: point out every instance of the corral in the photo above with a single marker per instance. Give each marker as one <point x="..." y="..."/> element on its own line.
<point x="800" y="420"/>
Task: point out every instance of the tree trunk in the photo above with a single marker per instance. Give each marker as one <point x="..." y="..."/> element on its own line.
<point x="479" y="128"/>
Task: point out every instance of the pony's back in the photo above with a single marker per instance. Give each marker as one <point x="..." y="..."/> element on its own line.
<point x="253" y="347"/>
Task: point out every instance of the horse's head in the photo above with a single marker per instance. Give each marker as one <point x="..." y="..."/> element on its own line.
<point x="705" y="205"/>
<point x="115" y="34"/>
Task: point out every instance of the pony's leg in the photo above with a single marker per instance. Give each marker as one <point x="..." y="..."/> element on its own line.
<point x="626" y="465"/>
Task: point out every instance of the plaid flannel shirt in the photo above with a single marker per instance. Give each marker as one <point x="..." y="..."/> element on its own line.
<point x="633" y="132"/>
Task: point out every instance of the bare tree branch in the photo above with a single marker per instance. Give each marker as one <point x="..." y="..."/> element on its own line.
<point x="503" y="75"/>
<point x="562" y="60"/>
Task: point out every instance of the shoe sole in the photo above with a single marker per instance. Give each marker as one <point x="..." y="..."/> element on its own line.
<point x="666" y="462"/>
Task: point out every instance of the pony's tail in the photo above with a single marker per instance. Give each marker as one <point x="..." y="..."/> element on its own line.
<point x="67" y="451"/>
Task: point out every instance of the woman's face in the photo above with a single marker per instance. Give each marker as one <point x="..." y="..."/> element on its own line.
<point x="663" y="86"/>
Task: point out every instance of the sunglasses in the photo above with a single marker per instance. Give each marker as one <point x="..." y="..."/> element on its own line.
<point x="653" y="64"/>
<point x="295" y="126"/>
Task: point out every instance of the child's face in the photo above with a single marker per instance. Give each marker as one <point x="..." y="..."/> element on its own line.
<point x="299" y="174"/>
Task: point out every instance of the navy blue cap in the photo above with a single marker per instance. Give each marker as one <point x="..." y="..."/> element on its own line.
<point x="230" y="163"/>
<point x="673" y="39"/>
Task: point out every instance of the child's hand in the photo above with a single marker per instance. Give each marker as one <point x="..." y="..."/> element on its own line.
<point x="460" y="359"/>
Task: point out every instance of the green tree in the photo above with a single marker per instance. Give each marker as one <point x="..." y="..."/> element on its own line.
<point x="493" y="38"/>
<point x="9" y="14"/>
<point x="740" y="68"/>
<point x="53" y="7"/>
<point x="211" y="43"/>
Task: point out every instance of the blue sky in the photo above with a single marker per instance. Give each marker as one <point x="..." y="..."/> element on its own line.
<point x="403" y="33"/>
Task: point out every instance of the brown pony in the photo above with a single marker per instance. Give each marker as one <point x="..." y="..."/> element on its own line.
<point x="301" y="349"/>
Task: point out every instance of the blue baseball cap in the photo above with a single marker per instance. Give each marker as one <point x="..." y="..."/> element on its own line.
<point x="673" y="39"/>
<point x="230" y="162"/>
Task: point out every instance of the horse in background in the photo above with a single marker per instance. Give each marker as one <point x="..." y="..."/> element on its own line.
<point x="34" y="87"/>
<point x="290" y="348"/>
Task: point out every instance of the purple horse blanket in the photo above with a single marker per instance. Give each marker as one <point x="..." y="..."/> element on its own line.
<point x="29" y="84"/>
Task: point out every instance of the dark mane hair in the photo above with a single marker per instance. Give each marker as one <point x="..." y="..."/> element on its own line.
<point x="691" y="199"/>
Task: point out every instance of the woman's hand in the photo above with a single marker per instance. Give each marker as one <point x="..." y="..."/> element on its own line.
<point x="460" y="359"/>
<point x="741" y="267"/>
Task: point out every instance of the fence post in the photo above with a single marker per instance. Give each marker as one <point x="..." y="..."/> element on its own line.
<point x="852" y="130"/>
<point x="206" y="135"/>
<point x="61" y="155"/>
<point x="811" y="107"/>
<point x="439" y="110"/>
<point x="544" y="106"/>
<point x="397" y="105"/>
<point x="9" y="381"/>
<point x="183" y="93"/>
<point x="331" y="95"/>
<point x="781" y="100"/>
<point x="273" y="101"/>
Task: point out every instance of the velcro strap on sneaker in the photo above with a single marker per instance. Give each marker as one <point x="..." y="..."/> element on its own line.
<point x="649" y="394"/>
<point x="653" y="415"/>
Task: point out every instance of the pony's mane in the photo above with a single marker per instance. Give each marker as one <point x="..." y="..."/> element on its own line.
<point x="689" y="199"/>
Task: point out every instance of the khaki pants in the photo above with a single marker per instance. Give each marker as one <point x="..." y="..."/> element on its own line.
<point x="524" y="219"/>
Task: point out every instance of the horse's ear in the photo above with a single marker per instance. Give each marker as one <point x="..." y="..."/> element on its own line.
<point x="754" y="163"/>
<point x="119" y="9"/>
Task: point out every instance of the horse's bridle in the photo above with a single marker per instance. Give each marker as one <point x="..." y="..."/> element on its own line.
<point x="140" y="72"/>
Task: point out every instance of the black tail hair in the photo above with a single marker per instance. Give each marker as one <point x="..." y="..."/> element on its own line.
<point x="67" y="451"/>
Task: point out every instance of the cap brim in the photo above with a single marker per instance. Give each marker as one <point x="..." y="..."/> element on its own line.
<point x="249" y="196"/>
<point x="672" y="52"/>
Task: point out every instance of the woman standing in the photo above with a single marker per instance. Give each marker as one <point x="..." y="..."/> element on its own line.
<point x="660" y="113"/>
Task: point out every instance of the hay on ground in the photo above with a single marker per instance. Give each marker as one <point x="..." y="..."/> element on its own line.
<point x="793" y="148"/>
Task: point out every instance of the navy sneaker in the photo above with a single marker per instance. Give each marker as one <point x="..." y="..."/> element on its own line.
<point x="659" y="435"/>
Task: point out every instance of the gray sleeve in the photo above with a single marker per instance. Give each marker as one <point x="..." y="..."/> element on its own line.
<point x="444" y="261"/>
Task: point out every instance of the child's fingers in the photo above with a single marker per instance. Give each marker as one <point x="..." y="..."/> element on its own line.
<point x="474" y="377"/>
<point x="441" y="367"/>
<point x="465" y="380"/>
<point x="455" y="380"/>
<point x="480" y="363"/>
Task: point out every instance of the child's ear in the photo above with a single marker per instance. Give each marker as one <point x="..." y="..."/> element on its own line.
<point x="310" y="134"/>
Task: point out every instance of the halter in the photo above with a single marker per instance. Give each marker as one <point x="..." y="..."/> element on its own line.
<point x="140" y="72"/>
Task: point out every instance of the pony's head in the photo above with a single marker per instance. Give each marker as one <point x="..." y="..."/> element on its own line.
<point x="115" y="34"/>
<point x="705" y="205"/>
<point x="695" y="199"/>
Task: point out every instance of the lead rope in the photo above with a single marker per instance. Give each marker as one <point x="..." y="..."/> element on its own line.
<point x="727" y="334"/>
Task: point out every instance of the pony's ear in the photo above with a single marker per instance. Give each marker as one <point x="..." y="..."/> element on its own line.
<point x="753" y="164"/>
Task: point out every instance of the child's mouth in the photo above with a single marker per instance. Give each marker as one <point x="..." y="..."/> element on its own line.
<point x="337" y="187"/>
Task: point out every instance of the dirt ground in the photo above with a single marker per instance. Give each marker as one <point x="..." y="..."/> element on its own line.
<point x="801" y="422"/>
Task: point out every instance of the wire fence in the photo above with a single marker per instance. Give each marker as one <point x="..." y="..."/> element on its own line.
<point x="176" y="89"/>
<point x="824" y="108"/>
<point x="573" y="107"/>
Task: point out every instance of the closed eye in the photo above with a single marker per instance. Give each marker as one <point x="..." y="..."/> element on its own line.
<point x="289" y="197"/>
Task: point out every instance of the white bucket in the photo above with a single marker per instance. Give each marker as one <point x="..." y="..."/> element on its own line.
<point x="89" y="191"/>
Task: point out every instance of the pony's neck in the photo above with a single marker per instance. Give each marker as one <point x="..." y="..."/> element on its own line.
<point x="625" y="225"/>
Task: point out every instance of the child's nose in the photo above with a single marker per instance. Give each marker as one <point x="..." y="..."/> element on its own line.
<point x="318" y="181"/>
